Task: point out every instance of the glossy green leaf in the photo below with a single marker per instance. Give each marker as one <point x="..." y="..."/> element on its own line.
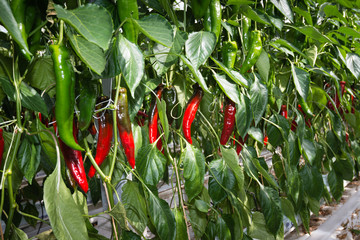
<point x="161" y="217"/>
<point x="161" y="106"/>
<point x="263" y="65"/>
<point x="305" y="218"/>
<point x="150" y="164"/>
<point x="256" y="134"/>
<point x="135" y="206"/>
<point x="243" y="115"/>
<point x="97" y="30"/>
<point x="344" y="167"/>
<point x="181" y="232"/>
<point x="336" y="185"/>
<point x="258" y="228"/>
<point x="312" y="181"/>
<point x="194" y="170"/>
<point x="64" y="215"/>
<point x="232" y="160"/>
<point x="91" y="54"/>
<point x="353" y="64"/>
<point x="199" y="46"/>
<point x="301" y="80"/>
<point x="254" y="14"/>
<point x="258" y="99"/>
<point x="304" y="13"/>
<point x="222" y="230"/>
<point x="308" y="150"/>
<point x="157" y="28"/>
<point x="196" y="73"/>
<point x="29" y="156"/>
<point x="270" y="205"/>
<point x="18" y="234"/>
<point x="284" y="7"/>
<point x="288" y="210"/>
<point x="230" y="89"/>
<point x="313" y="33"/>
<point x="118" y="213"/>
<point x="277" y="130"/>
<point x="288" y="45"/>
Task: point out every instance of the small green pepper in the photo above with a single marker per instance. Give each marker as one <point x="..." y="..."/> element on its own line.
<point x="87" y="100"/>
<point x="228" y="51"/>
<point x="128" y="9"/>
<point x="212" y="18"/>
<point x="246" y="25"/>
<point x="65" y="95"/>
<point x="254" y="51"/>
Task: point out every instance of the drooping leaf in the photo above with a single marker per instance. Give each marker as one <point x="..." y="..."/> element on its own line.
<point x="232" y="74"/>
<point x="97" y="30"/>
<point x="194" y="170"/>
<point x="65" y="217"/>
<point x="288" y="210"/>
<point x="230" y="89"/>
<point x="263" y="65"/>
<point x="119" y="215"/>
<point x="180" y="224"/>
<point x="199" y="46"/>
<point x="243" y="115"/>
<point x="313" y="33"/>
<point x="301" y="80"/>
<point x="284" y="8"/>
<point x="29" y="156"/>
<point x="336" y="185"/>
<point x="196" y="73"/>
<point x="150" y="164"/>
<point x="258" y="99"/>
<point x="353" y="64"/>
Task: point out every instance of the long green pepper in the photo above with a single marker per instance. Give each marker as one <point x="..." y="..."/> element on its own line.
<point x="246" y="25"/>
<point x="254" y="51"/>
<point x="128" y="9"/>
<point x="212" y="18"/>
<point x="228" y="51"/>
<point x="65" y="95"/>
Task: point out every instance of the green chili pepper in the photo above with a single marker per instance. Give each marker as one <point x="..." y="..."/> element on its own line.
<point x="305" y="107"/>
<point x="87" y="100"/>
<point x="228" y="51"/>
<point x="65" y="95"/>
<point x="18" y="8"/>
<point x="212" y="18"/>
<point x="199" y="7"/>
<point x="170" y="97"/>
<point x="254" y="51"/>
<point x="246" y="25"/>
<point x="128" y="9"/>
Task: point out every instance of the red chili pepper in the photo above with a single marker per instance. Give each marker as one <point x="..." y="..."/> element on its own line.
<point x="229" y="121"/>
<point x="307" y="120"/>
<point x="153" y="118"/>
<point x="124" y="126"/>
<point x="190" y="112"/>
<point x="284" y="112"/>
<point x="92" y="128"/>
<point x="266" y="139"/>
<point x="74" y="162"/>
<point x="239" y="147"/>
<point x="2" y="143"/>
<point x="293" y="125"/>
<point x="105" y="135"/>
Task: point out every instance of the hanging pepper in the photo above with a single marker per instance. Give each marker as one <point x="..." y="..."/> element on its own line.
<point x="74" y="161"/>
<point x="266" y="140"/>
<point x="229" y="121"/>
<point x="254" y="52"/>
<point x="87" y="100"/>
<point x="65" y="95"/>
<point x="190" y="111"/>
<point x="212" y="18"/>
<point x="140" y="118"/>
<point x="246" y="25"/>
<point x="105" y="134"/>
<point x="153" y="118"/>
<point x="199" y="7"/>
<point x="283" y="111"/>
<point x="228" y="51"/>
<point x="128" y="9"/>
<point x="92" y="128"/>
<point x="170" y="97"/>
<point x="124" y="126"/>
<point x="307" y="120"/>
<point x="2" y="143"/>
<point x="240" y="144"/>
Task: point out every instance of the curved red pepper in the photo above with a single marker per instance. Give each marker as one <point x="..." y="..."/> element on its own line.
<point x="124" y="126"/>
<point x="2" y="143"/>
<point x="284" y="112"/>
<point x="190" y="112"/>
<point x="105" y="135"/>
<point x="307" y="120"/>
<point x="74" y="162"/>
<point x="239" y="146"/>
<point x="153" y="119"/>
<point x="266" y="139"/>
<point x="229" y="121"/>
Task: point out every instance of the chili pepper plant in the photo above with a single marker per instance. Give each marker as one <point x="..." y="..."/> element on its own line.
<point x="118" y="98"/>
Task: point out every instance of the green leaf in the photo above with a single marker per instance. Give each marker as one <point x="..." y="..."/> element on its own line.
<point x="9" y="22"/>
<point x="29" y="156"/>
<point x="131" y="62"/>
<point x="232" y="160"/>
<point x="301" y="80"/>
<point x="29" y="97"/>
<point x="47" y="143"/>
<point x="201" y="206"/>
<point x="258" y="228"/>
<point x="162" y="217"/>
<point x="254" y="14"/>
<point x="41" y="74"/>
<point x="263" y="65"/>
<point x="258" y="99"/>
<point x="150" y="164"/>
<point x="312" y="181"/>
<point x="344" y="168"/>
<point x="230" y="89"/>
<point x="256" y="134"/>
<point x="308" y="150"/>
<point x="336" y="185"/>
<point x="232" y="74"/>
<point x="243" y="115"/>
<point x="32" y="210"/>
<point x="194" y="170"/>
<point x="284" y="8"/>
<point x="270" y="205"/>
<point x="181" y="232"/>
<point x="353" y="64"/>
<point x="222" y="230"/>
<point x="119" y="215"/>
<point x="312" y="32"/>
<point x="220" y="173"/>
<point x="288" y="45"/>
<point x="305" y="14"/>
<point x="65" y="217"/>
<point x="157" y="28"/>
<point x="135" y="206"/>
<point x="312" y="54"/>
<point x="196" y="73"/>
<point x="161" y="106"/>
<point x="18" y="234"/>
<point x="319" y="96"/>
<point x="288" y="210"/>
<point x="92" y="55"/>
<point x="198" y="218"/>
<point x="199" y="46"/>
<point x="96" y="30"/>
<point x="349" y="31"/>
<point x="337" y="125"/>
